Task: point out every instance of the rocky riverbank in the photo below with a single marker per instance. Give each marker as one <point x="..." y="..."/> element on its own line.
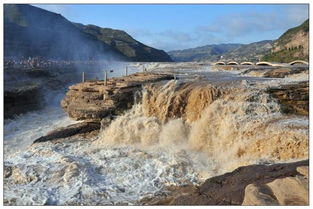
<point x="278" y="184"/>
<point x="28" y="89"/>
<point x="177" y="133"/>
<point x="21" y="99"/>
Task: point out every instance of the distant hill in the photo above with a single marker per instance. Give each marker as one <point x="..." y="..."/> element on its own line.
<point x="292" y="45"/>
<point x="209" y="52"/>
<point x="249" y="52"/>
<point x="31" y="31"/>
<point x="215" y="52"/>
<point x="125" y="44"/>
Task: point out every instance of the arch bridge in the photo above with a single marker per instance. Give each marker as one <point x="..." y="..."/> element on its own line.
<point x="220" y="63"/>
<point x="263" y="63"/>
<point x="247" y="63"/>
<point x="298" y="62"/>
<point x="232" y="63"/>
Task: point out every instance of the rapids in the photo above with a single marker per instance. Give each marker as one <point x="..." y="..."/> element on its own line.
<point x="178" y="134"/>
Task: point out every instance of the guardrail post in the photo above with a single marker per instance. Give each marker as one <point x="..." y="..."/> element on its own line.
<point x="83" y="77"/>
<point x="105" y="77"/>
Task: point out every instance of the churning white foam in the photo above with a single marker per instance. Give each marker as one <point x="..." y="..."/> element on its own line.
<point x="21" y="131"/>
<point x="137" y="156"/>
<point x="78" y="173"/>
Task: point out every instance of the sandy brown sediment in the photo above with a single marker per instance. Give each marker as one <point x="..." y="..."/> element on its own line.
<point x="225" y="122"/>
<point x="185" y="100"/>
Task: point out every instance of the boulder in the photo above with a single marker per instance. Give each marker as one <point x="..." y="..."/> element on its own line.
<point x="291" y="190"/>
<point x="303" y="170"/>
<point x="259" y="195"/>
<point x="284" y="191"/>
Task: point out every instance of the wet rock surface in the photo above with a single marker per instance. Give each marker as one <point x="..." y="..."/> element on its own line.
<point x="71" y="130"/>
<point x="275" y="72"/>
<point x="95" y="100"/>
<point x="229" y="188"/>
<point x="278" y="138"/>
<point x="294" y="98"/>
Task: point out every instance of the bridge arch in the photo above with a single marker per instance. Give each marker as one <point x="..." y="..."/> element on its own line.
<point x="298" y="62"/>
<point x="220" y="63"/>
<point x="247" y="63"/>
<point x="232" y="63"/>
<point x="264" y="64"/>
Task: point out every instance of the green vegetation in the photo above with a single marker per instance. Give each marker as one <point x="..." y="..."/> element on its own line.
<point x="124" y="43"/>
<point x="286" y="55"/>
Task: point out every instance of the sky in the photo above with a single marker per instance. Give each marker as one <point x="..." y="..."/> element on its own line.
<point x="174" y="27"/>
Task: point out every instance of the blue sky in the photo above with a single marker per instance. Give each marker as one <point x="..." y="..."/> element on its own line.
<point x="172" y="27"/>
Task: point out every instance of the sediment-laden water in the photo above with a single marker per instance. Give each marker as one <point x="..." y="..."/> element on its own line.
<point x="178" y="134"/>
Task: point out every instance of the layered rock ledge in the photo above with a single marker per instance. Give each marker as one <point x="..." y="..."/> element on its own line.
<point x="96" y="100"/>
<point x="294" y="98"/>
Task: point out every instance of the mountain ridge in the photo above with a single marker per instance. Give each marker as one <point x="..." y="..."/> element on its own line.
<point x="291" y="45"/>
<point x="31" y="31"/>
<point x="202" y="52"/>
<point x="124" y="43"/>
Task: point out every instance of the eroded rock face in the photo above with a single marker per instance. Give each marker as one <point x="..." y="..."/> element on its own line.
<point x="294" y="98"/>
<point x="230" y="188"/>
<point x="94" y="100"/>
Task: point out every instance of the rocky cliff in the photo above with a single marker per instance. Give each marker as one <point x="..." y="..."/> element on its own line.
<point x="95" y="100"/>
